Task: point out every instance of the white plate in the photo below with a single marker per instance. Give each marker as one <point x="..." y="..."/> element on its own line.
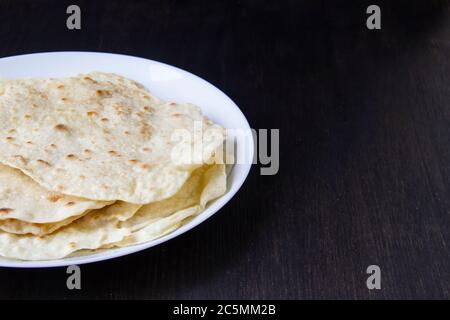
<point x="166" y="82"/>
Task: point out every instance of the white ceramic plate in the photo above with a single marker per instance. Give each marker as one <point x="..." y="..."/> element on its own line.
<point x="166" y="82"/>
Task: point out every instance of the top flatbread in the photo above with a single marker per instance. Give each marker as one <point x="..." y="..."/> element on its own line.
<point x="101" y="137"/>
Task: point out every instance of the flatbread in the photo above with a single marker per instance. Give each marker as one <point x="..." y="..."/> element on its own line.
<point x="102" y="137"/>
<point x="90" y="232"/>
<point x="156" y="220"/>
<point x="23" y="199"/>
<point x="37" y="229"/>
<point x="121" y="224"/>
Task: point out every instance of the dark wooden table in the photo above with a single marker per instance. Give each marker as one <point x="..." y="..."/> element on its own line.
<point x="364" y="119"/>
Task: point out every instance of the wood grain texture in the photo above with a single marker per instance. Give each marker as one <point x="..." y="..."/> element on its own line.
<point x="364" y="118"/>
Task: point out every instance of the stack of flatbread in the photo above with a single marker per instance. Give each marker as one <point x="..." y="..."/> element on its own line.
<point x="96" y="162"/>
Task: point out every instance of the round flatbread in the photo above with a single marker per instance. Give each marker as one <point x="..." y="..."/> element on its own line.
<point x="102" y="137"/>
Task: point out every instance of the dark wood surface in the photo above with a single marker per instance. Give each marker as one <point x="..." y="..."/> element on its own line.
<point x="364" y="119"/>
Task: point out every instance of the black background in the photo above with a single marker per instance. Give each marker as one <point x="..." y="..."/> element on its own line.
<point x="364" y="166"/>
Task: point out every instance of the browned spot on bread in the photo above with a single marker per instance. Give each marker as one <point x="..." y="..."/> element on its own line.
<point x="104" y="120"/>
<point x="146" y="149"/>
<point x="5" y="210"/>
<point x="118" y="224"/>
<point x="126" y="132"/>
<point x="61" y="86"/>
<point x="145" y="130"/>
<point x="82" y="177"/>
<point x="173" y="104"/>
<point x="29" y="142"/>
<point x="106" y="131"/>
<point x="64" y="99"/>
<point x="35" y="105"/>
<point x="176" y="115"/>
<point x="12" y="131"/>
<point x="61" y="127"/>
<point x="88" y="78"/>
<point x="69" y="204"/>
<point x="147" y="108"/>
<point x="91" y="113"/>
<point x="9" y="139"/>
<point x="133" y="161"/>
<point x="102" y="93"/>
<point x="54" y="197"/>
<point x="27" y="117"/>
<point x="42" y="237"/>
<point x="140" y="114"/>
<point x="72" y="244"/>
<point x="145" y="166"/>
<point x="43" y="162"/>
<point x="71" y="157"/>
<point x="52" y="145"/>
<point x="87" y="151"/>
<point x="113" y="153"/>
